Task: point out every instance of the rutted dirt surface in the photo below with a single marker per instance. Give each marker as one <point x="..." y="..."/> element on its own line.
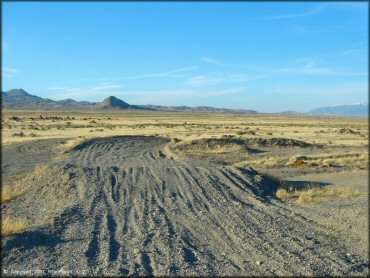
<point x="22" y="157"/>
<point x="120" y="206"/>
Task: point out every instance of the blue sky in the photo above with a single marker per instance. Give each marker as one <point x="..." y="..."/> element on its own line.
<point x="265" y="56"/>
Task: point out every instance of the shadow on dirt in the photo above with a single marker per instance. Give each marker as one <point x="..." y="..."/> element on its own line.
<point x="31" y="239"/>
<point x="304" y="184"/>
<point x="273" y="183"/>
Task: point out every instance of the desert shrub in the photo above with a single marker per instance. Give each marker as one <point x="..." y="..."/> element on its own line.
<point x="312" y="193"/>
<point x="12" y="226"/>
<point x="9" y="193"/>
<point x="6" y="193"/>
<point x="39" y="169"/>
<point x="20" y="134"/>
<point x="282" y="194"/>
<point x="304" y="197"/>
<point x="175" y="140"/>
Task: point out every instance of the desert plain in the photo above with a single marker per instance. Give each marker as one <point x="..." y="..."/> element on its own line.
<point x="143" y="193"/>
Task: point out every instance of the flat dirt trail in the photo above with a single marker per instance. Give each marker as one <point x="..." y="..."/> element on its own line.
<point x="120" y="206"/>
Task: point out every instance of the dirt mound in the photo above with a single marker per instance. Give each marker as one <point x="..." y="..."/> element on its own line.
<point x="279" y="142"/>
<point x="23" y="157"/>
<point x="233" y="143"/>
<point x="214" y="145"/>
<point x="118" y="206"/>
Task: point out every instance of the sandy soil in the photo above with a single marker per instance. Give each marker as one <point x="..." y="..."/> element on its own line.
<point x="123" y="206"/>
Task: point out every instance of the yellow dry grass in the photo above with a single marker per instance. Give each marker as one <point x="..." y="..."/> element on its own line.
<point x="9" y="193"/>
<point x="217" y="149"/>
<point x="71" y="143"/>
<point x="334" y="159"/>
<point x="12" y="226"/>
<point x="282" y="194"/>
<point x="190" y="125"/>
<point x="19" y="186"/>
<point x="39" y="169"/>
<point x="314" y="193"/>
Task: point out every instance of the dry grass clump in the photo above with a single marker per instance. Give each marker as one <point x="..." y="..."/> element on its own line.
<point x="39" y="169"/>
<point x="270" y="162"/>
<point x="12" y="226"/>
<point x="283" y="194"/>
<point x="340" y="159"/>
<point x="19" y="186"/>
<point x="73" y="143"/>
<point x="311" y="194"/>
<point x="276" y="162"/>
<point x="70" y="144"/>
<point x="360" y="160"/>
<point x="9" y="193"/>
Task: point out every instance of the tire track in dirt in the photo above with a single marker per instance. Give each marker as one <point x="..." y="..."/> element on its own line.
<point x="149" y="215"/>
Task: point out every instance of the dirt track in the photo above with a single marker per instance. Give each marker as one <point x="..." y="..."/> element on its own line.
<point x="120" y="206"/>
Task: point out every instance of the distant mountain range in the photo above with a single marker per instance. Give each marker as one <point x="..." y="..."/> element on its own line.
<point x="354" y="110"/>
<point x="20" y="99"/>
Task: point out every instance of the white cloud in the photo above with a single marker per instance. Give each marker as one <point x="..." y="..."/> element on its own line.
<point x="176" y="96"/>
<point x="311" y="68"/>
<point x="305" y="14"/>
<point x="211" y="61"/>
<point x="227" y="65"/>
<point x="313" y="11"/>
<point x="9" y="72"/>
<point x="176" y="73"/>
<point x="83" y="93"/>
<point x="244" y="77"/>
<point x="306" y="97"/>
<point x="207" y="80"/>
<point x="106" y="87"/>
<point x="202" y="80"/>
<point x="352" y="52"/>
<point x="347" y="89"/>
<point x="362" y="7"/>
